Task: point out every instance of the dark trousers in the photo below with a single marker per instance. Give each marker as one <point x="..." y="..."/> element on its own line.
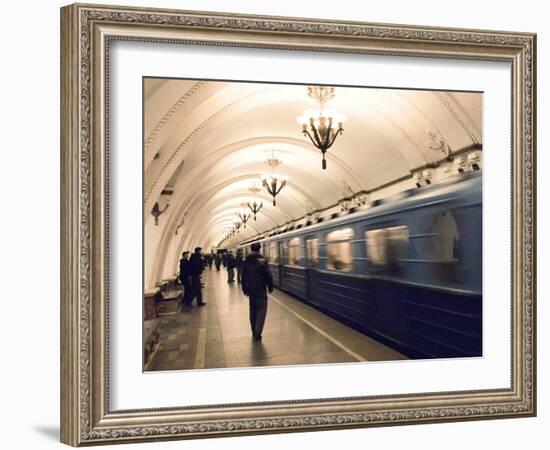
<point x="230" y="275"/>
<point x="258" y="311"/>
<point x="187" y="292"/>
<point x="239" y="271"/>
<point x="196" y="290"/>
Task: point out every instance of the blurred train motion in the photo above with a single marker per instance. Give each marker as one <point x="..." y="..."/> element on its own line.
<point x="406" y="271"/>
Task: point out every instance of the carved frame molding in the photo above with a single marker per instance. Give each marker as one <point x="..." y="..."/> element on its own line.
<point x="86" y="31"/>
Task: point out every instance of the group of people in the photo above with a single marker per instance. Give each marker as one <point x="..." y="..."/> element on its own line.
<point x="232" y="263"/>
<point x="191" y="269"/>
<point x="253" y="275"/>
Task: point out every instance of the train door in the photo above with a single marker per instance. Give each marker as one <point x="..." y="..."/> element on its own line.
<point x="312" y="264"/>
<point x="272" y="255"/>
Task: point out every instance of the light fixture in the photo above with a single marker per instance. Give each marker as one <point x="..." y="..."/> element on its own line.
<point x="324" y="124"/>
<point x="440" y="145"/>
<point x="359" y="199"/>
<point x="423" y="178"/>
<point x="181" y="223"/>
<point x="345" y="204"/>
<point x="244" y="215"/>
<point x="274" y="183"/>
<point x="163" y="203"/>
<point x="156" y="211"/>
<point x="254" y="205"/>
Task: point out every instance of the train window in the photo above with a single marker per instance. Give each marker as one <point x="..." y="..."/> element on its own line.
<point x="273" y="254"/>
<point x="387" y="247"/>
<point x="446" y="237"/>
<point x="312" y="252"/>
<point x="339" y="254"/>
<point x="446" y="247"/>
<point x="294" y="252"/>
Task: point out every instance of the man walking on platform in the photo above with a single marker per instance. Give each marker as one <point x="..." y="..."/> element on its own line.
<point x="196" y="264"/>
<point x="256" y="280"/>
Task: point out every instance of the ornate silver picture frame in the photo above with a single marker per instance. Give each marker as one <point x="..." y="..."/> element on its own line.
<point x="87" y="415"/>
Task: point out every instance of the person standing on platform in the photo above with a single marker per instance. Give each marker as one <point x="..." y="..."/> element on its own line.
<point x="256" y="281"/>
<point x="210" y="259"/>
<point x="230" y="263"/>
<point x="217" y="261"/>
<point x="185" y="279"/>
<point x="196" y="264"/>
<point x="239" y="263"/>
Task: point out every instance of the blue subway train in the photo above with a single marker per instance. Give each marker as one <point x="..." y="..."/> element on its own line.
<point x="407" y="271"/>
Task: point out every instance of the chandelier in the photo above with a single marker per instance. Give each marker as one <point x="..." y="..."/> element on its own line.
<point x="254" y="205"/>
<point x="274" y="183"/>
<point x="244" y="215"/>
<point x="324" y="124"/>
<point x="237" y="227"/>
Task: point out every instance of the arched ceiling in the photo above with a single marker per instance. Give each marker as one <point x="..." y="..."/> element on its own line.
<point x="208" y="142"/>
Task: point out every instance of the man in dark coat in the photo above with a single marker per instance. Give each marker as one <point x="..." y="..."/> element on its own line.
<point x="256" y="281"/>
<point x="239" y="263"/>
<point x="196" y="264"/>
<point x="185" y="279"/>
<point x="230" y="264"/>
<point x="218" y="261"/>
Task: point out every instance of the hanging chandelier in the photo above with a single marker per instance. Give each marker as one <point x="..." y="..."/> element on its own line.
<point x="324" y="124"/>
<point x="253" y="204"/>
<point x="244" y="215"/>
<point x="237" y="226"/>
<point x="274" y="183"/>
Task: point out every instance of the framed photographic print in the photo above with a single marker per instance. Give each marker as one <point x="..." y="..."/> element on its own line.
<point x="277" y="224"/>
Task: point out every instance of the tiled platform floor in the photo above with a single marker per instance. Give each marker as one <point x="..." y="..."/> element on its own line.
<point x="218" y="334"/>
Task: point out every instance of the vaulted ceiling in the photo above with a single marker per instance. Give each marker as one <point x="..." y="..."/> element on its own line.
<point x="207" y="142"/>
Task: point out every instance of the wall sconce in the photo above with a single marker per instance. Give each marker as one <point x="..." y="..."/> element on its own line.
<point x="162" y="205"/>
<point x="156" y="212"/>
<point x="462" y="164"/>
<point x="423" y="178"/>
<point x="440" y="145"/>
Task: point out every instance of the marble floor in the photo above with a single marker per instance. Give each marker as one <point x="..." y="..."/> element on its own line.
<point x="218" y="335"/>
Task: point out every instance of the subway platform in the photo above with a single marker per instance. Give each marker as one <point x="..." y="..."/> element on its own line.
<point x="218" y="335"/>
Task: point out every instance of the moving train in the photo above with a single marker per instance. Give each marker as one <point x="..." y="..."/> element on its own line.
<point x="407" y="271"/>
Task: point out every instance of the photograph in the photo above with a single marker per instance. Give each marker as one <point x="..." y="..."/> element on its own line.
<point x="296" y="224"/>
